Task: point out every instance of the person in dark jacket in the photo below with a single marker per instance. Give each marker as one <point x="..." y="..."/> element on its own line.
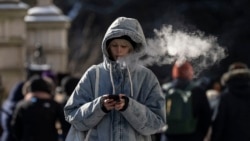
<point x="232" y="121"/>
<point x="68" y="85"/>
<point x="35" y="116"/>
<point x="7" y="110"/>
<point x="182" y="75"/>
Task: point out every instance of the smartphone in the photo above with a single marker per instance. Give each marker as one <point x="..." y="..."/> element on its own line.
<point x="114" y="97"/>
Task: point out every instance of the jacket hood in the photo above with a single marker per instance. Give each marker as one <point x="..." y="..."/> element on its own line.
<point x="238" y="82"/>
<point x="125" y="26"/>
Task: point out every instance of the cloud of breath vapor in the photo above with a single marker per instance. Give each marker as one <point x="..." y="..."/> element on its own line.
<point x="170" y="45"/>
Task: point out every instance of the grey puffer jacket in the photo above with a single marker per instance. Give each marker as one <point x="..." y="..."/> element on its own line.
<point x="145" y="114"/>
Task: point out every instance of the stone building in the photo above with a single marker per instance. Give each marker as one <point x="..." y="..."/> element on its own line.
<point x="21" y="29"/>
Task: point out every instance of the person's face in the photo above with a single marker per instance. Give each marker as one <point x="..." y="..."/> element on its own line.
<point x="119" y="48"/>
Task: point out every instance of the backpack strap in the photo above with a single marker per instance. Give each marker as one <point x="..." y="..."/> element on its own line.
<point x="185" y="93"/>
<point x="191" y="86"/>
<point x="97" y="81"/>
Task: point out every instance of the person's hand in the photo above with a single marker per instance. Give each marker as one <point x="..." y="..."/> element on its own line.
<point x="119" y="105"/>
<point x="108" y="104"/>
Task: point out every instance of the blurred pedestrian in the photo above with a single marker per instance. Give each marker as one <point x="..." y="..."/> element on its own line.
<point x="129" y="105"/>
<point x="35" y="116"/>
<point x="188" y="111"/>
<point x="1" y="100"/>
<point x="7" y="110"/>
<point x="213" y="94"/>
<point x="232" y="121"/>
<point x="68" y="85"/>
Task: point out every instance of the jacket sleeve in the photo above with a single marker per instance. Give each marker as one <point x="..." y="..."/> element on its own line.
<point x="147" y="117"/>
<point x="16" y="123"/>
<point x="82" y="109"/>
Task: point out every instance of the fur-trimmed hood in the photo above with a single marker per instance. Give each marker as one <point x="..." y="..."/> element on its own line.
<point x="237" y="81"/>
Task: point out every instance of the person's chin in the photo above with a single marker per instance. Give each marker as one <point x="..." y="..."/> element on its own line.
<point x="118" y="57"/>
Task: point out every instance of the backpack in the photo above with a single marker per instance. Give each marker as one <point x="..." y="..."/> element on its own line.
<point x="180" y="118"/>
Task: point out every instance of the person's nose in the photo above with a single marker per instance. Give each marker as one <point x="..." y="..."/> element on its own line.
<point x="119" y="49"/>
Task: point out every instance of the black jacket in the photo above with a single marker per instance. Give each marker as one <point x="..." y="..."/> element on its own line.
<point x="35" y="120"/>
<point x="233" y="120"/>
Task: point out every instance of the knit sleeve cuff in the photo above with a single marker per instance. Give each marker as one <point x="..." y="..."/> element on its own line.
<point x="126" y="103"/>
<point x="103" y="107"/>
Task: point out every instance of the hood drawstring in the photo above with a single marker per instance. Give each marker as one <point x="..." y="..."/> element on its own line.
<point x="112" y="80"/>
<point x="131" y="83"/>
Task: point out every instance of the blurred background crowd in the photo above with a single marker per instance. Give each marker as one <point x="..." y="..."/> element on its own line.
<point x="84" y="23"/>
<point x="226" y="20"/>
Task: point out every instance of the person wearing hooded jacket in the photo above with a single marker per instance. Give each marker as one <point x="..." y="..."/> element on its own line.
<point x="140" y="109"/>
<point x="232" y="121"/>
